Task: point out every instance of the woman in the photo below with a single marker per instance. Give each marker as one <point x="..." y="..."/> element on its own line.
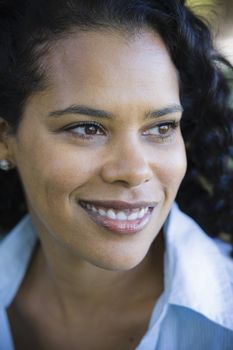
<point x="91" y="103"/>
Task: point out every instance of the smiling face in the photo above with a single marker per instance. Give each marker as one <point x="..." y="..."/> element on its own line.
<point x="100" y="152"/>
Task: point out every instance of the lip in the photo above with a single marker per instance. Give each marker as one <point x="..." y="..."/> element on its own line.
<point x="122" y="227"/>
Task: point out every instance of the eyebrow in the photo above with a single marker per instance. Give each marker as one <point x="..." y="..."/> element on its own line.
<point x="80" y="109"/>
<point x="164" y="111"/>
<point x="99" y="113"/>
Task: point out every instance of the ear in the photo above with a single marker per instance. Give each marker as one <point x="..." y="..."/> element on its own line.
<point x="5" y="136"/>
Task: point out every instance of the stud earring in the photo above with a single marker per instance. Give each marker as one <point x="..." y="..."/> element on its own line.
<point x="5" y="165"/>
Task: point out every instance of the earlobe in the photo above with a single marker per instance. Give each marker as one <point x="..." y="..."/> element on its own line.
<point x="6" y="156"/>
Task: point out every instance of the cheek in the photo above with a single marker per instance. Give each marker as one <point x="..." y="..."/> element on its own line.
<point x="67" y="171"/>
<point x="177" y="169"/>
<point x="51" y="171"/>
<point x="171" y="167"/>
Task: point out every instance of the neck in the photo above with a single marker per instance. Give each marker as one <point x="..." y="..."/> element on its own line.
<point x="73" y="283"/>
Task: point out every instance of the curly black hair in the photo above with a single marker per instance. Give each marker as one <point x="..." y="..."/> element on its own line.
<point x="27" y="30"/>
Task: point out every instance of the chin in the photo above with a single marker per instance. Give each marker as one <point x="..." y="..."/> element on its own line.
<point x="120" y="262"/>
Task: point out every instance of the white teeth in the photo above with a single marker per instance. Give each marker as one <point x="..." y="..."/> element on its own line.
<point x="121" y="216"/>
<point x="141" y="213"/>
<point x="111" y="214"/>
<point x="94" y="209"/>
<point x="102" y="212"/>
<point x="133" y="216"/>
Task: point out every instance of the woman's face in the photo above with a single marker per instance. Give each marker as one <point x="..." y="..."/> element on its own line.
<point x="100" y="151"/>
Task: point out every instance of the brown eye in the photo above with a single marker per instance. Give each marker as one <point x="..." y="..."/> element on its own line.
<point x="86" y="129"/>
<point x="164" y="129"/>
<point x="92" y="130"/>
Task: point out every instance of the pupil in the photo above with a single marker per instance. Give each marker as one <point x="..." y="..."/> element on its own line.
<point x="164" y="129"/>
<point x="90" y="129"/>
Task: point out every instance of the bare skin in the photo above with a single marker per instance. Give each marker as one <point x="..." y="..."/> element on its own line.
<point x="38" y="320"/>
<point x="88" y="287"/>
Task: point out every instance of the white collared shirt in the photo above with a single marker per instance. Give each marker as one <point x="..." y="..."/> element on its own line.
<point x="195" y="311"/>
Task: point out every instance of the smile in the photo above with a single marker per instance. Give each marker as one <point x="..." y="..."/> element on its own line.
<point x="119" y="218"/>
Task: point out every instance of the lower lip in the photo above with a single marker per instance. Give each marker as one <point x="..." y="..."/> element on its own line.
<point x="123" y="227"/>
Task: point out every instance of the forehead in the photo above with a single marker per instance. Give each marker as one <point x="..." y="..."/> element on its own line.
<point x="107" y="63"/>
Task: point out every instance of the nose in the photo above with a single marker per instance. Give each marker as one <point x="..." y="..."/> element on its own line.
<point x="127" y="164"/>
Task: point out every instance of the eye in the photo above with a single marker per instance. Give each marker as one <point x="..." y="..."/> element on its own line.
<point x="86" y="129"/>
<point x="162" y="130"/>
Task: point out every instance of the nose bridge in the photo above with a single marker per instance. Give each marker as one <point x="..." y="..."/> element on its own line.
<point x="127" y="163"/>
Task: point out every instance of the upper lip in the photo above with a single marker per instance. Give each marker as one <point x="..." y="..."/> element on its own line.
<point x="119" y="204"/>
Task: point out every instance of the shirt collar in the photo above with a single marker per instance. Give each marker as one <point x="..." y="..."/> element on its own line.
<point x="197" y="274"/>
<point x="15" y="253"/>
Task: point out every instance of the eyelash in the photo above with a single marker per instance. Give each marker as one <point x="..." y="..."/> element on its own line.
<point x="172" y="124"/>
<point x="83" y="125"/>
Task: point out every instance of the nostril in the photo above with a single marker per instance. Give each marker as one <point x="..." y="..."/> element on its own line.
<point x="127" y="174"/>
